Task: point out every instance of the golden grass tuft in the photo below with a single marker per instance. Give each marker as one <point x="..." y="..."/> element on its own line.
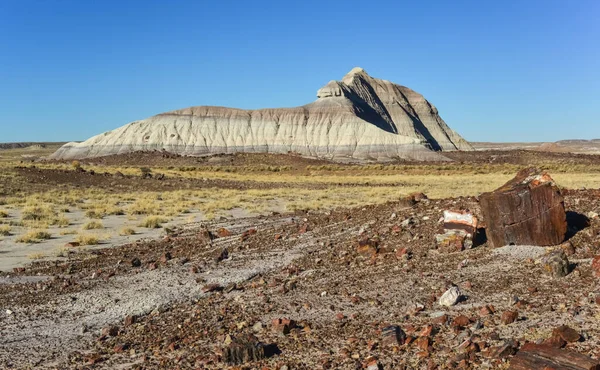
<point x="5" y="230"/>
<point x="34" y="236"/>
<point x="3" y="214"/>
<point x="127" y="231"/>
<point x="153" y="222"/>
<point x="93" y="225"/>
<point x="87" y="239"/>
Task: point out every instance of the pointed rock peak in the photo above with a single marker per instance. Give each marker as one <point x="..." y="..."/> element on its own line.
<point x="356" y="71"/>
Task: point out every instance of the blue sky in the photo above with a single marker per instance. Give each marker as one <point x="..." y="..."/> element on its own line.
<point x="496" y="70"/>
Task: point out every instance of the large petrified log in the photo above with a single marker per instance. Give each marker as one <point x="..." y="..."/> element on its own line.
<point x="540" y="356"/>
<point x="528" y="209"/>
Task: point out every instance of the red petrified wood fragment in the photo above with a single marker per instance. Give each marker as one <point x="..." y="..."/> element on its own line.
<point x="539" y="356"/>
<point x="527" y="210"/>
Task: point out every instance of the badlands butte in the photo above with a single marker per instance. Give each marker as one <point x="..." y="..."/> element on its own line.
<point x="355" y="232"/>
<point x="359" y="117"/>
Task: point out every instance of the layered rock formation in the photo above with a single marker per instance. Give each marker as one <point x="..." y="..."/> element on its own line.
<point x="359" y="117"/>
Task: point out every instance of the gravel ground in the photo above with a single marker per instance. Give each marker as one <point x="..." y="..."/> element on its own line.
<point x="195" y="291"/>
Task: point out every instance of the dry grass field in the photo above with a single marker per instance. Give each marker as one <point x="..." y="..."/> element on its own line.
<point x="51" y="202"/>
<point x="150" y="235"/>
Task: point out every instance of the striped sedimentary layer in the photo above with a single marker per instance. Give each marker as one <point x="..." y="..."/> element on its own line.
<point x="359" y="117"/>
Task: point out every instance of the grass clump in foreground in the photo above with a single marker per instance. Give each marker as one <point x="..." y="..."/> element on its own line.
<point x="87" y="239"/>
<point x="3" y="214"/>
<point x="5" y="230"/>
<point x="153" y="222"/>
<point x="93" y="225"/>
<point x="127" y="231"/>
<point x="34" y="236"/>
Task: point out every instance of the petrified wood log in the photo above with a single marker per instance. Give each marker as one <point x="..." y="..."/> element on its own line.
<point x="528" y="209"/>
<point x="244" y="348"/>
<point x="539" y="356"/>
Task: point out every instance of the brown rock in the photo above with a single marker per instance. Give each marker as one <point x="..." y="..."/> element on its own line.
<point x="72" y="245"/>
<point x="129" y="320"/>
<point x="283" y="326"/>
<point x="539" y="356"/>
<point x="367" y="247"/>
<point x="223" y="232"/>
<point x="460" y="321"/>
<point x="596" y="266"/>
<point x="422" y="343"/>
<point x="556" y="264"/>
<point x="566" y="333"/>
<point x="393" y="335"/>
<point x="242" y="349"/>
<point x="555" y="342"/>
<point x="527" y="210"/>
<point x="109" y="331"/>
<point x="508" y="317"/>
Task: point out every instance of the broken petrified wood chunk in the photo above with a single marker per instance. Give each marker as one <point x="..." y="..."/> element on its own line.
<point x="393" y="335"/>
<point x="459" y="231"/>
<point x="527" y="210"/>
<point x="244" y="348"/>
<point x="539" y="356"/>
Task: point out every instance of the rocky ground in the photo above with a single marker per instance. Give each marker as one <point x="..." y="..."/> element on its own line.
<point x="299" y="291"/>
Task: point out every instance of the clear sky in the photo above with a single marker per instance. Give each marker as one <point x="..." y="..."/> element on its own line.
<point x="496" y="70"/>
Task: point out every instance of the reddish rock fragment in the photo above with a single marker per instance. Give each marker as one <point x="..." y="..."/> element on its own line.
<point x="367" y="247"/>
<point x="555" y="342"/>
<point x="460" y="321"/>
<point x="596" y="266"/>
<point x="539" y="356"/>
<point x="422" y="343"/>
<point x="283" y="326"/>
<point x="72" y="244"/>
<point x="568" y="334"/>
<point x="393" y="335"/>
<point x="527" y="210"/>
<point x="223" y="232"/>
<point x="508" y="317"/>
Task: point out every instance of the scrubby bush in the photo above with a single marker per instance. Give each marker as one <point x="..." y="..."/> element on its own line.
<point x="34" y="236"/>
<point x="153" y="222"/>
<point x="93" y="225"/>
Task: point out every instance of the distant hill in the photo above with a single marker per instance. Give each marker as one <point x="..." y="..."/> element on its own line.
<point x="580" y="146"/>
<point x="26" y="145"/>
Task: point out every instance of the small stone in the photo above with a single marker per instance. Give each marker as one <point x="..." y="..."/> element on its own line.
<point x="508" y="317"/>
<point x="393" y="335"/>
<point x="556" y="264"/>
<point x="111" y="331"/>
<point x="568" y="334"/>
<point x="450" y="297"/>
<point x="129" y="320"/>
<point x="258" y="327"/>
<point x="367" y="248"/>
<point x="136" y="262"/>
<point x="9" y="312"/>
<point x="211" y="288"/>
<point x="283" y="326"/>
<point x="596" y="265"/>
<point x="422" y="343"/>
<point x="165" y="257"/>
<point x="461" y="321"/>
